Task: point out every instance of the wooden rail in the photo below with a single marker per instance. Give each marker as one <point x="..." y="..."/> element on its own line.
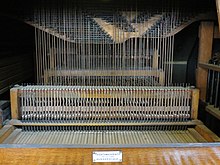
<point x="213" y="111"/>
<point x="209" y="66"/>
<point x="108" y="73"/>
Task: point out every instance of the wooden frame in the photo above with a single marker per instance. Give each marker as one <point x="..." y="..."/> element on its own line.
<point x="14" y="94"/>
<point x="154" y="71"/>
<point x="133" y="154"/>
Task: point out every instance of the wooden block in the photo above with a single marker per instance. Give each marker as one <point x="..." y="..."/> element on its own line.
<point x="14" y="103"/>
<point x="207" y="133"/>
<point x="195" y="103"/>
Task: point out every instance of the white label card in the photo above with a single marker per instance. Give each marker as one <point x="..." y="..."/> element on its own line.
<point x="107" y="156"/>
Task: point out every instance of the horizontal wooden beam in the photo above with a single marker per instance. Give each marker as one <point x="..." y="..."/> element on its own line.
<point x="105" y="73"/>
<point x="108" y="73"/>
<point x="209" y="66"/>
<point x="213" y="111"/>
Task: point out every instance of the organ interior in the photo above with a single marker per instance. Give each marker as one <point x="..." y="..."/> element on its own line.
<point x="105" y="75"/>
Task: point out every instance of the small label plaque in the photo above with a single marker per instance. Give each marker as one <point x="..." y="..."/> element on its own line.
<point x="107" y="156"/>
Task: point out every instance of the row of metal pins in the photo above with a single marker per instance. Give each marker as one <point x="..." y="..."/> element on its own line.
<point x="98" y="136"/>
<point x="105" y="104"/>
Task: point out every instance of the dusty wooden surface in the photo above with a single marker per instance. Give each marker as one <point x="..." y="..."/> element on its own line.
<point x="178" y="156"/>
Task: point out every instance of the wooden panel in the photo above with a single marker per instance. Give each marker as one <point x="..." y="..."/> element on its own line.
<point x="205" y="52"/>
<point x="131" y="156"/>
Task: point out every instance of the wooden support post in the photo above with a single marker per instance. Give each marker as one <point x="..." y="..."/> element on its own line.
<point x="205" y="51"/>
<point x="155" y="59"/>
<point x="195" y="104"/>
<point x="14" y="103"/>
<point x="52" y="58"/>
<point x="162" y="78"/>
<point x="46" y="77"/>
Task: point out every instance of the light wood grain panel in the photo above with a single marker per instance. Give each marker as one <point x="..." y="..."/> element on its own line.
<point x="131" y="156"/>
